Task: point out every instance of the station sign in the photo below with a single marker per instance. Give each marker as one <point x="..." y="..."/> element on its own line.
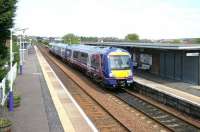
<point x="192" y="54"/>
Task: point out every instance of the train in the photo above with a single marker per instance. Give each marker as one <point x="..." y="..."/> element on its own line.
<point x="109" y="66"/>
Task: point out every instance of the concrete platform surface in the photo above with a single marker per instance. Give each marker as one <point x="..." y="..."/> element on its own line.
<point x="71" y="115"/>
<point x="183" y="91"/>
<point x="179" y="85"/>
<point x="33" y="115"/>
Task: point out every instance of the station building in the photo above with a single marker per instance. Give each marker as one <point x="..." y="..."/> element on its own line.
<point x="171" y="61"/>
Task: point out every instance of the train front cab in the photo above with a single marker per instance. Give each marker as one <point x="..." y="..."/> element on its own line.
<point x="119" y="71"/>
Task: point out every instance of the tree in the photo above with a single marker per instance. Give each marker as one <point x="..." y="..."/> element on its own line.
<point x="89" y="39"/>
<point x="7" y="12"/>
<point x="197" y="40"/>
<point x="70" y="38"/>
<point x="109" y="39"/>
<point x="176" y="41"/>
<point x="132" y="37"/>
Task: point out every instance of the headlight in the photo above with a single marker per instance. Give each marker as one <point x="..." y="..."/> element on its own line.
<point x="130" y="73"/>
<point x="111" y="75"/>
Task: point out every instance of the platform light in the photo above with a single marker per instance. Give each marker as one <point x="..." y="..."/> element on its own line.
<point x="11" y="100"/>
<point x="21" y="49"/>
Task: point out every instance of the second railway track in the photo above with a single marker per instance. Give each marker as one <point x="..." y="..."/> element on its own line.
<point x="169" y="122"/>
<point x="165" y="118"/>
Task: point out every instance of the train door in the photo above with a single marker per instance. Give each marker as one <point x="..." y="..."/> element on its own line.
<point x="63" y="52"/>
<point x="89" y="62"/>
<point x="68" y="54"/>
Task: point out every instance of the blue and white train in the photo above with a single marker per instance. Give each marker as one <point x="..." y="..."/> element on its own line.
<point x="107" y="65"/>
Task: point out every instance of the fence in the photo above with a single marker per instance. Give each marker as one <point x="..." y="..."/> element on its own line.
<point x="3" y="92"/>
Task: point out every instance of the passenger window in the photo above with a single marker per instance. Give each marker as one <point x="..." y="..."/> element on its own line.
<point x="84" y="57"/>
<point x="68" y="53"/>
<point x="75" y="55"/>
<point x="95" y="61"/>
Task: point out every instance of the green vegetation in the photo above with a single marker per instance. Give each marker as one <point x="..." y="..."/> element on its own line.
<point x="71" y="39"/>
<point x="16" y="53"/>
<point x="3" y="69"/>
<point x="3" y="72"/>
<point x="4" y="123"/>
<point x="17" y="100"/>
<point x="89" y="39"/>
<point x="197" y="40"/>
<point x="45" y="42"/>
<point x="41" y="41"/>
<point x="176" y="41"/>
<point x="7" y="10"/>
<point x="132" y="37"/>
<point x="7" y="86"/>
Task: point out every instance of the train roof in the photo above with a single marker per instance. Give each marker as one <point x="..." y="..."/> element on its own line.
<point x="94" y="49"/>
<point x="61" y="45"/>
<point x="90" y="49"/>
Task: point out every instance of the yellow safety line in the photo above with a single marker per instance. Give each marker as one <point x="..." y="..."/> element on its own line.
<point x="64" y="119"/>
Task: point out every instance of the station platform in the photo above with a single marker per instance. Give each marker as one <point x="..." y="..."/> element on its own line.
<point x="36" y="112"/>
<point x="46" y="105"/>
<point x="182" y="96"/>
<point x="71" y="116"/>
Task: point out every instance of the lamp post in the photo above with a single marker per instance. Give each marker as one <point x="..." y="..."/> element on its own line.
<point x="23" y="45"/>
<point x="20" y="55"/>
<point x="21" y="50"/>
<point x="11" y="102"/>
<point x="30" y="41"/>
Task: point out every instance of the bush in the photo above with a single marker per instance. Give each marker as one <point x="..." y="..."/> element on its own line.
<point x="16" y="53"/>
<point x="5" y="123"/>
<point x="7" y="86"/>
<point x="17" y="100"/>
<point x="3" y="73"/>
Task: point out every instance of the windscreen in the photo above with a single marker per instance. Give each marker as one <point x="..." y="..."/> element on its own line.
<point x="119" y="62"/>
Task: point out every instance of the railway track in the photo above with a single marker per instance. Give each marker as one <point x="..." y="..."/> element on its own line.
<point x="100" y="116"/>
<point x="163" y="118"/>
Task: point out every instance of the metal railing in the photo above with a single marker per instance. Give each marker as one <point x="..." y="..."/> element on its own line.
<point x="3" y="92"/>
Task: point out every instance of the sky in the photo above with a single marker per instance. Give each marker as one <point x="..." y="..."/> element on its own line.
<point x="150" y="19"/>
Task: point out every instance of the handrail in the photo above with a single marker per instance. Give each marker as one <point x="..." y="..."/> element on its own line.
<point x="3" y="94"/>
